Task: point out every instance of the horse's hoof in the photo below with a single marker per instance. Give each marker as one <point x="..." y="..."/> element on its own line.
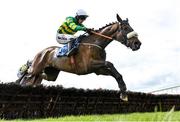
<point x="124" y="97"/>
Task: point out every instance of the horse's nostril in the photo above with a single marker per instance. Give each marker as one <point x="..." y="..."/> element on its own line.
<point x="136" y="43"/>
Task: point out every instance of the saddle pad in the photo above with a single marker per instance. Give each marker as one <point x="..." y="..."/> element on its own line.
<point x="62" y="51"/>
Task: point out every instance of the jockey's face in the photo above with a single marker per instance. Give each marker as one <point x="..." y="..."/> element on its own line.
<point x="81" y="19"/>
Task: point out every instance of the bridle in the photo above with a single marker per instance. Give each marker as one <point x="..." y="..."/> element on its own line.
<point x="125" y="39"/>
<point x="125" y="35"/>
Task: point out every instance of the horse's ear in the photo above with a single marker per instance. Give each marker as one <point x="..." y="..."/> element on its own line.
<point x="118" y="18"/>
<point x="127" y="19"/>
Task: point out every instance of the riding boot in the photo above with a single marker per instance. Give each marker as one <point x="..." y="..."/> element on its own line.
<point x="71" y="50"/>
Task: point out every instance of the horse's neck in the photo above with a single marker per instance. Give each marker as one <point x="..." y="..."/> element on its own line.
<point x="97" y="41"/>
<point x="102" y="41"/>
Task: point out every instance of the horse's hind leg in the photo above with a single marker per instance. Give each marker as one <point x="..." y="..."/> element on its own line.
<point x="27" y="80"/>
<point x="38" y="79"/>
<point x="38" y="65"/>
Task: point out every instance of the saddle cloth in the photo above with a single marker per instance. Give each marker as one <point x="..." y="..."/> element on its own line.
<point x="62" y="51"/>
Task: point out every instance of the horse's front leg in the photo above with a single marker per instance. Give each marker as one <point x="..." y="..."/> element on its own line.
<point x="107" y="68"/>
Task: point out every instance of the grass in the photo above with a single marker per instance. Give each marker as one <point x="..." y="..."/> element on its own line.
<point x="153" y="116"/>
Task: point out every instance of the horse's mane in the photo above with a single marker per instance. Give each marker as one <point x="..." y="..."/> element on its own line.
<point x="97" y="30"/>
<point x="106" y="26"/>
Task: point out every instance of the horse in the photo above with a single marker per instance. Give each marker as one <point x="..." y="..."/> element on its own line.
<point x="90" y="56"/>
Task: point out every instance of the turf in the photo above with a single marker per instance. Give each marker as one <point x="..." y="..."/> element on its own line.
<point x="153" y="116"/>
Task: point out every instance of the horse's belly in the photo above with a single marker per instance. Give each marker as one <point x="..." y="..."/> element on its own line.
<point x="71" y="66"/>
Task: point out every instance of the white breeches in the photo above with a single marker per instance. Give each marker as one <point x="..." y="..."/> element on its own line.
<point x="64" y="38"/>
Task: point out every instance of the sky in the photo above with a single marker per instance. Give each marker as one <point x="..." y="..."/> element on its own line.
<point x="28" y="26"/>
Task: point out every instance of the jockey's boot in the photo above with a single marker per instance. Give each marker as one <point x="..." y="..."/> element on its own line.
<point x="72" y="51"/>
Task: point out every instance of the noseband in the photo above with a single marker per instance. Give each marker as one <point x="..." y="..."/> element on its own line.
<point x="124" y="39"/>
<point x="126" y="36"/>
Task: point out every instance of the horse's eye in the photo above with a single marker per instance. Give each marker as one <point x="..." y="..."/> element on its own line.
<point x="126" y="29"/>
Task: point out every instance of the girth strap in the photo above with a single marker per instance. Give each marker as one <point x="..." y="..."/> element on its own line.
<point x="89" y="44"/>
<point x="73" y="63"/>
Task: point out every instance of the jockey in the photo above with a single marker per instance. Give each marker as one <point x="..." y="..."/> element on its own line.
<point x="65" y="33"/>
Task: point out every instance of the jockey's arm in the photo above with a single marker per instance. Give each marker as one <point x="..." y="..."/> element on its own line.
<point x="74" y="26"/>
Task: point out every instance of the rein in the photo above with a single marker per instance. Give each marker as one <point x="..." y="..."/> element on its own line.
<point x="124" y="41"/>
<point x="99" y="34"/>
<point x="102" y="35"/>
<point x="125" y="36"/>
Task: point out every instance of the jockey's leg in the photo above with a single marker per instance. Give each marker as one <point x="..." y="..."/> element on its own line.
<point x="64" y="38"/>
<point x="69" y="40"/>
<point x="72" y="47"/>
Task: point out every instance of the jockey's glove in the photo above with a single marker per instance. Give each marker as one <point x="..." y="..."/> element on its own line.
<point x="84" y="28"/>
<point x="88" y="30"/>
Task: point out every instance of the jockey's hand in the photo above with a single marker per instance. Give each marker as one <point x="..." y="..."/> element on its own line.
<point x="88" y="30"/>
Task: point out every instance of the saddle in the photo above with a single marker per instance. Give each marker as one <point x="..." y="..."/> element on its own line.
<point x="63" y="51"/>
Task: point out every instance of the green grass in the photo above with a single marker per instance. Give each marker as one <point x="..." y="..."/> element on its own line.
<point x="154" y="116"/>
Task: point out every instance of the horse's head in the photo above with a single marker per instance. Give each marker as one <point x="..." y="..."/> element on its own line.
<point x="126" y="35"/>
